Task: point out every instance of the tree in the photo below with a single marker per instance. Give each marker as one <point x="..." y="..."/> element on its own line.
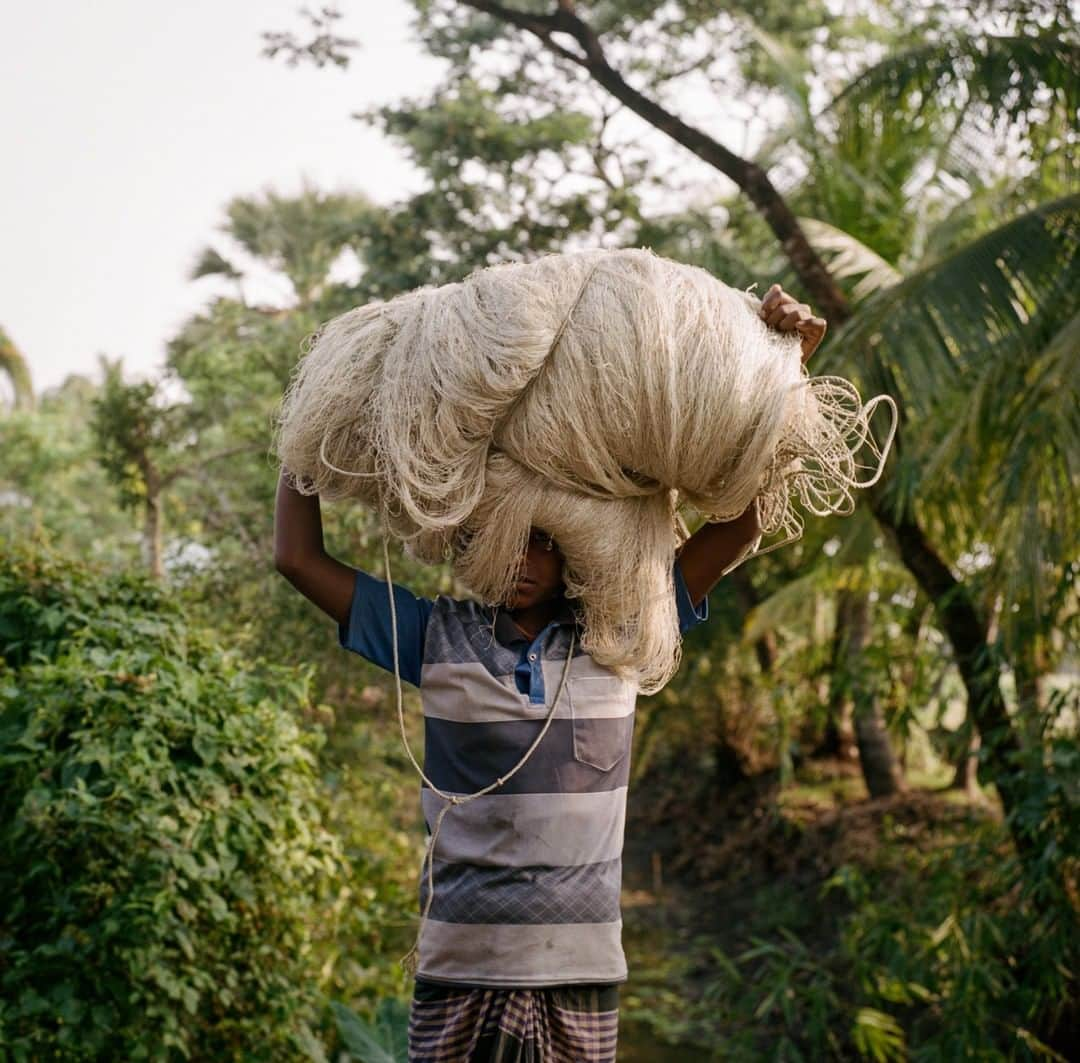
<point x="145" y="445"/>
<point x="915" y="117"/>
<point x="1013" y="449"/>
<point x="876" y="212"/>
<point x="299" y="237"/>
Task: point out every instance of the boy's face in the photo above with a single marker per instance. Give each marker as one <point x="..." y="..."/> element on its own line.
<point x="540" y="574"/>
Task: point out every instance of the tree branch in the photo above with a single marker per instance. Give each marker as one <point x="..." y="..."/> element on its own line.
<point x="238" y="528"/>
<point x="195" y="467"/>
<point x="830" y="300"/>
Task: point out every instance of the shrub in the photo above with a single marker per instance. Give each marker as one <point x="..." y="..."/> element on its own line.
<point x="162" y="852"/>
<point x="929" y="940"/>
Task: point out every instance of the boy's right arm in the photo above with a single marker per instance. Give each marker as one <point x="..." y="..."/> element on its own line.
<point x="300" y="557"/>
<point x="356" y="600"/>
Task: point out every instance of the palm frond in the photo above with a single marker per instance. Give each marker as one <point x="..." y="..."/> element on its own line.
<point x="1000" y="297"/>
<point x="790" y="605"/>
<point x="211" y="263"/>
<point x="300" y="236"/>
<point x="981" y="350"/>
<point x="789" y="67"/>
<point x="981" y="78"/>
<point x="848" y="257"/>
<point x="14" y="366"/>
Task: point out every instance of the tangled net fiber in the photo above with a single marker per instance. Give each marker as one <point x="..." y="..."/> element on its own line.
<point x="596" y="395"/>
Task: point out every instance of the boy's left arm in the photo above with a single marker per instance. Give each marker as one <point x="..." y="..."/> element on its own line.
<point x="713" y="547"/>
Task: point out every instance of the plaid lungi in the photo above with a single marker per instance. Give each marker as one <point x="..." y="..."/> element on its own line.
<point x="556" y="1024"/>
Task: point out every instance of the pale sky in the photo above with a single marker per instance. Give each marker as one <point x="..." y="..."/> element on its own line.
<point x="127" y="126"/>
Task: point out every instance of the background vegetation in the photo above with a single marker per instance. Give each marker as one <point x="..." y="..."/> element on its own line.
<point x="854" y="813"/>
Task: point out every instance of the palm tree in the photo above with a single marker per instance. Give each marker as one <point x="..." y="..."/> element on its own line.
<point x="979" y="341"/>
<point x="14" y="366"/>
<point x="920" y="109"/>
<point x="991" y="400"/>
<point x="299" y="237"/>
<point x="939" y="315"/>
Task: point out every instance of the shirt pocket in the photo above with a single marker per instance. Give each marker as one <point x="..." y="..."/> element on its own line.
<point x="602" y="711"/>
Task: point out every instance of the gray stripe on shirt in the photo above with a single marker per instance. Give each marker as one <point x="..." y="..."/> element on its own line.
<point x="528" y="830"/>
<point x="519" y="955"/>
<point x="574" y="755"/>
<point x="467" y="692"/>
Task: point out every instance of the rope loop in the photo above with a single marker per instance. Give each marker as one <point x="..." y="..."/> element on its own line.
<point x="410" y="960"/>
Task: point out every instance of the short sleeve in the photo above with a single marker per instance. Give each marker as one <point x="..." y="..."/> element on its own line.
<point x="369" y="631"/>
<point x="688" y="616"/>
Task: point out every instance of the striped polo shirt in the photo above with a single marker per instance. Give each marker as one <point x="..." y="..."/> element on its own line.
<point x="527" y="877"/>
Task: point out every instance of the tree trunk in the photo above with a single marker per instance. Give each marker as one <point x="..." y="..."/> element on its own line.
<point x="151" y="536"/>
<point x="839" y="737"/>
<point x="728" y="771"/>
<point x="979" y="670"/>
<point x="728" y="768"/>
<point x="880" y="769"/>
<point x="966" y="776"/>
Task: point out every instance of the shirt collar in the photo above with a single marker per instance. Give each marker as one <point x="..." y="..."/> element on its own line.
<point x="508" y="633"/>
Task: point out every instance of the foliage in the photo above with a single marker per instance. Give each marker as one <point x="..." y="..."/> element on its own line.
<point x="133" y="431"/>
<point x="969" y="951"/>
<point x="371" y="912"/>
<point x="300" y="236"/>
<point x="383" y="1040"/>
<point x="52" y="488"/>
<point x="164" y="854"/>
<point x="925" y="940"/>
<point x="904" y="930"/>
<point x="977" y="348"/>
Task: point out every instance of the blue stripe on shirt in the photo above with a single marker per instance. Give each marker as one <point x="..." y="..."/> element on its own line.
<point x="369" y="631"/>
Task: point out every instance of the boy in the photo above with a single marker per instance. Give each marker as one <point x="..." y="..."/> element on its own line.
<point x="520" y="950"/>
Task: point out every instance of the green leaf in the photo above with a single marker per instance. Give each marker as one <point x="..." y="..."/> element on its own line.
<point x="384" y="1041"/>
<point x="878" y="1035"/>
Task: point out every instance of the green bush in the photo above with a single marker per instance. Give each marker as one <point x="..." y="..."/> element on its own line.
<point x="372" y="919"/>
<point x="931" y="941"/>
<point x="973" y="953"/>
<point x="163" y="857"/>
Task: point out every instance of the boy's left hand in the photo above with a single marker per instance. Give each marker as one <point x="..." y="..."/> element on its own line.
<point x="785" y="314"/>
